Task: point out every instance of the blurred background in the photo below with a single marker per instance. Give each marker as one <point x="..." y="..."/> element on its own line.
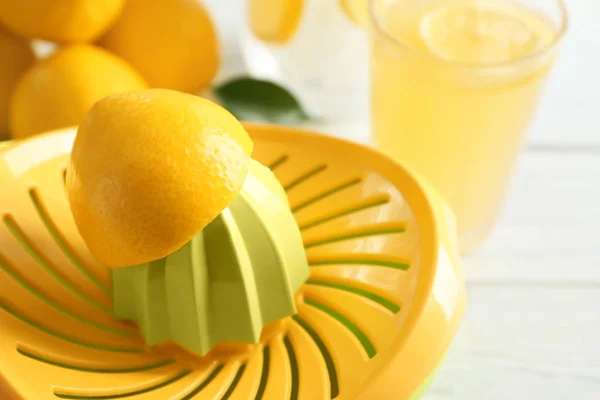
<point x="568" y="112"/>
<point x="533" y="321"/>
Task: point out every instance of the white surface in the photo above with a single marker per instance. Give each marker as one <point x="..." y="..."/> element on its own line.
<point x="532" y="328"/>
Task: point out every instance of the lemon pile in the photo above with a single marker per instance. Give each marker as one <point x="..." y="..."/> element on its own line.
<point x="103" y="47"/>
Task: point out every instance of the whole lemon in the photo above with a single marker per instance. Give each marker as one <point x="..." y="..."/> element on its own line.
<point x="16" y="55"/>
<point x="171" y="42"/>
<point x="62" y="21"/>
<point x="58" y="91"/>
<point x="150" y="169"/>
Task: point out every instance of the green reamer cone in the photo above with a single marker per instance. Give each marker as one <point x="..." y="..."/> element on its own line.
<point x="236" y="276"/>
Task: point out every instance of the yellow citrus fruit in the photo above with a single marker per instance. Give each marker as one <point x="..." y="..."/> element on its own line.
<point x="275" y="21"/>
<point x="483" y="33"/>
<point x="58" y="91"/>
<point x="62" y="21"/>
<point x="16" y="55"/>
<point x="172" y="43"/>
<point x="150" y="169"/>
<point x="356" y="10"/>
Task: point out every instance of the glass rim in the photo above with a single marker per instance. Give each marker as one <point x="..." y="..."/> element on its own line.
<point x="376" y="24"/>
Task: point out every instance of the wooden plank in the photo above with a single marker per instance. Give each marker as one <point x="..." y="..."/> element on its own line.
<point x="549" y="228"/>
<point x="533" y="319"/>
<point x="525" y="343"/>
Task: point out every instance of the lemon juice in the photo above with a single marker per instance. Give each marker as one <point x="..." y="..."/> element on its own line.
<point x="455" y="86"/>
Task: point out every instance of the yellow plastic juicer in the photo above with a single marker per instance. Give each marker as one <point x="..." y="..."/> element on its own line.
<point x="372" y="321"/>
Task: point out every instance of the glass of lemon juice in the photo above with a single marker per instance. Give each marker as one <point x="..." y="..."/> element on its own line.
<point x="455" y="84"/>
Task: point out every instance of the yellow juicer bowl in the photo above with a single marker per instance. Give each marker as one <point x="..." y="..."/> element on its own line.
<point x="383" y="302"/>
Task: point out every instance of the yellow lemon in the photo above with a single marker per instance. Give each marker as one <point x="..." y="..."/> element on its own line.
<point x="172" y="43"/>
<point x="483" y="33"/>
<point x="150" y="169"/>
<point x="275" y="21"/>
<point x="16" y="55"/>
<point x="58" y="91"/>
<point x="62" y="21"/>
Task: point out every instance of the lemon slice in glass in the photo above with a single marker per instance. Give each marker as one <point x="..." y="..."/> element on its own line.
<point x="480" y="33"/>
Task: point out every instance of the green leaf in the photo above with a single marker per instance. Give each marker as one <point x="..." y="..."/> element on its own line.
<point x="260" y="101"/>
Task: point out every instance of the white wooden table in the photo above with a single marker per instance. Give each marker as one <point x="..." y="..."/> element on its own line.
<point x="532" y="328"/>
